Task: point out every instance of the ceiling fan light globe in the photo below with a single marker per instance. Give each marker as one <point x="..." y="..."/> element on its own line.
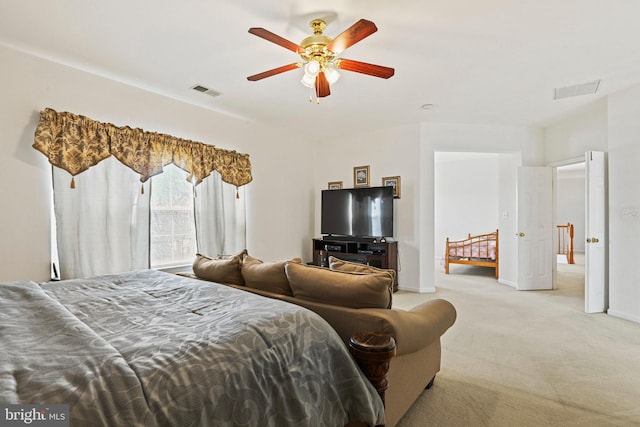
<point x="312" y="68"/>
<point x="331" y="72"/>
<point x="308" y="80"/>
<point x="332" y="75"/>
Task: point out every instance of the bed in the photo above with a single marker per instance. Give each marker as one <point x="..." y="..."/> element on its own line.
<point x="480" y="250"/>
<point x="148" y="348"/>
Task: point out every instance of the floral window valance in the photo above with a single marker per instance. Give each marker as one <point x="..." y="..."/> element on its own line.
<point x="76" y="143"/>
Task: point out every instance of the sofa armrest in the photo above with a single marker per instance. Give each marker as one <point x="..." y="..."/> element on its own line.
<point x="412" y="330"/>
<point x="417" y="328"/>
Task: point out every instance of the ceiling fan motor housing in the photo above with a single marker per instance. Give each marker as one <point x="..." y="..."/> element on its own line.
<point x="315" y="46"/>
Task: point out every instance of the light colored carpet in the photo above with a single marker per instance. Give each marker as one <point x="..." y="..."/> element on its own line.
<point x="518" y="359"/>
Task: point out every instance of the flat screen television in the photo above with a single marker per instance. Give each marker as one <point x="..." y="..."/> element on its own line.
<point x="358" y="212"/>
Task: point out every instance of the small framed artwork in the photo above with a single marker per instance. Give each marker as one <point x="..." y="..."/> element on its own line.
<point x="336" y="185"/>
<point x="361" y="176"/>
<point x="392" y="181"/>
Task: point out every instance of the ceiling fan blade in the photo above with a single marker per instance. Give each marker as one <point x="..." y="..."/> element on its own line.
<point x="274" y="38"/>
<point x="352" y="35"/>
<point x="322" y="85"/>
<point x="364" y="68"/>
<point x="275" y="71"/>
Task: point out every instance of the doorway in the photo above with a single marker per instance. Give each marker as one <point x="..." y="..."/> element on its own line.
<point x="476" y="193"/>
<point x="466" y="201"/>
<point x="570" y="208"/>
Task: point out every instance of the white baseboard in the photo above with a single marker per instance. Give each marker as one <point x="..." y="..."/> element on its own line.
<point x="508" y="283"/>
<point x="624" y="316"/>
<point x="430" y="290"/>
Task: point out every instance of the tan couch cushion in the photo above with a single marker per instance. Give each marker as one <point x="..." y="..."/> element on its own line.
<point x="267" y="276"/>
<point x="346" y="289"/>
<point x="355" y="267"/>
<point x="223" y="269"/>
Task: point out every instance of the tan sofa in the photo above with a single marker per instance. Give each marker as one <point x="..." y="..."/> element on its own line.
<point x="352" y="298"/>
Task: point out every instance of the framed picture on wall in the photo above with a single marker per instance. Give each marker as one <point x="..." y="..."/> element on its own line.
<point x="392" y="181"/>
<point x="361" y="176"/>
<point x="335" y="185"/>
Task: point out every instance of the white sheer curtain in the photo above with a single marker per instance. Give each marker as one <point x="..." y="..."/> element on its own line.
<point x="102" y="224"/>
<point x="220" y="217"/>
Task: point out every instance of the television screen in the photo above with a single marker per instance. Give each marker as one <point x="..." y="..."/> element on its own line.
<point x="358" y="212"/>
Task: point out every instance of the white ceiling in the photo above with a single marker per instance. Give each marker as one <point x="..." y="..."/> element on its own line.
<point x="490" y="61"/>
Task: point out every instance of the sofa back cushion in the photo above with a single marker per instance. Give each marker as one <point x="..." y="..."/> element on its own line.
<point x="347" y="289"/>
<point x="223" y="269"/>
<point x="355" y="267"/>
<point x="267" y="276"/>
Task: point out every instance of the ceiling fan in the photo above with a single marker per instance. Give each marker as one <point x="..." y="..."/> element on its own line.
<point x="320" y="56"/>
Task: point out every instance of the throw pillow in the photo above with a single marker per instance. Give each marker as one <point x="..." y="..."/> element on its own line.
<point x="266" y="276"/>
<point x="347" y="289"/>
<point x="222" y="269"/>
<point x="355" y="267"/>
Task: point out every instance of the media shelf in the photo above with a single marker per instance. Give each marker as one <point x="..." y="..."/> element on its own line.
<point x="374" y="253"/>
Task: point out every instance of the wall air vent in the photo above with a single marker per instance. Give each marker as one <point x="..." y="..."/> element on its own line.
<point x="588" y="88"/>
<point x="202" y="89"/>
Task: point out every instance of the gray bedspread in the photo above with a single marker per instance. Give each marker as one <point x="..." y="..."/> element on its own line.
<point x="148" y="348"/>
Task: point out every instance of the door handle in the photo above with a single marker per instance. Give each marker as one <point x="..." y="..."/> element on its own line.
<point x="593" y="240"/>
<point x="521" y="234"/>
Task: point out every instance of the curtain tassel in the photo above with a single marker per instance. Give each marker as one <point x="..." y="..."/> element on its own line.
<point x="237" y="194"/>
<point x="142" y="189"/>
<point x="73" y="182"/>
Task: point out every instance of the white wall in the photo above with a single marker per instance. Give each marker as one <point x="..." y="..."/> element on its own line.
<point x="280" y="200"/>
<point x="280" y="214"/>
<point x="390" y="152"/>
<point x="26" y="180"/>
<point x="624" y="204"/>
<point x="585" y="130"/>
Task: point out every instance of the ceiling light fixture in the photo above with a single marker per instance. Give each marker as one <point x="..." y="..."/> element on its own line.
<point x="319" y="54"/>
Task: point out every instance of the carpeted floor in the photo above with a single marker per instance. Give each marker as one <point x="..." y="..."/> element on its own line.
<point x="518" y="359"/>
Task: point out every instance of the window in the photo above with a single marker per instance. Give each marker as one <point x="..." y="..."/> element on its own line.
<point x="173" y="236"/>
<point x="106" y="225"/>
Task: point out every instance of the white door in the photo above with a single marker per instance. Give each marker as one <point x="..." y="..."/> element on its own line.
<point x="595" y="280"/>
<point x="535" y="229"/>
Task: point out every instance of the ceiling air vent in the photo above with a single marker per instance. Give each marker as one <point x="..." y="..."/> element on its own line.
<point x="202" y="89"/>
<point x="576" y="90"/>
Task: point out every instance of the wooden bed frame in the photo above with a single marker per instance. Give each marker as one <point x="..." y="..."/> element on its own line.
<point x="478" y="245"/>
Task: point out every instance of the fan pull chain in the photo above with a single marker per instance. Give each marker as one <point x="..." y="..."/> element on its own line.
<point x="312" y="90"/>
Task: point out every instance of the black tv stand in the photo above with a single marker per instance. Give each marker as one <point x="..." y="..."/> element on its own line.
<point x="365" y="250"/>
